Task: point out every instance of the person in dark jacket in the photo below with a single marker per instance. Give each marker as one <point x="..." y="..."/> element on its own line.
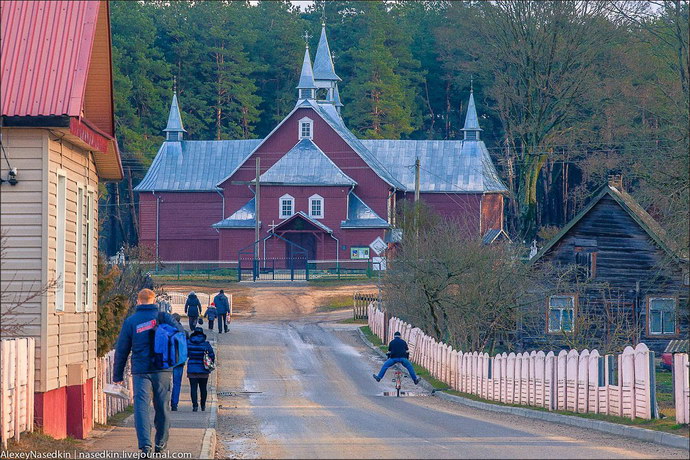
<point x="197" y="346"/>
<point x="398" y="352"/>
<point x="223" y="307"/>
<point x="137" y="336"/>
<point x="210" y="315"/>
<point x="192" y="309"/>
<point x="176" y="374"/>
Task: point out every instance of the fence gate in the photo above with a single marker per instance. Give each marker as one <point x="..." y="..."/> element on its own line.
<point x="294" y="266"/>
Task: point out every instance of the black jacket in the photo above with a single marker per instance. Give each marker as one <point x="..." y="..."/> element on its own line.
<point x="192" y="307"/>
<point x="398" y="348"/>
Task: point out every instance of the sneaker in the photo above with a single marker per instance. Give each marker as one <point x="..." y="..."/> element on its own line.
<point x="417" y="381"/>
<point x="173" y="408"/>
<point x="203" y="408"/>
<point x="195" y="409"/>
<point x="160" y="449"/>
<point x="376" y="377"/>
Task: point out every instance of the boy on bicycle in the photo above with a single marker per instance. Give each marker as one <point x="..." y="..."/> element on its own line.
<point x="398" y="352"/>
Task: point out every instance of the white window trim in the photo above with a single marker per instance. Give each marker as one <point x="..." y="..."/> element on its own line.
<point x="61" y="221"/>
<point x="280" y="206"/>
<point x="311" y="128"/>
<point x="551" y="329"/>
<point x="79" y="257"/>
<point x="663" y="313"/>
<point x="91" y="262"/>
<point x="312" y="199"/>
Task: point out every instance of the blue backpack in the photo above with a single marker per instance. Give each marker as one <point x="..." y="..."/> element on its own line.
<point x="169" y="346"/>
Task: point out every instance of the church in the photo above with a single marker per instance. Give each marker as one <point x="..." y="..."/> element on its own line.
<point x="322" y="193"/>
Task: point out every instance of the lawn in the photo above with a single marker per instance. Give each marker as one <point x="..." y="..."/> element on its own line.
<point x="336" y="302"/>
<point x="664" y="392"/>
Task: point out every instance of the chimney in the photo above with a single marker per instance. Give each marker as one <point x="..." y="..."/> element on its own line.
<point x="616" y="181"/>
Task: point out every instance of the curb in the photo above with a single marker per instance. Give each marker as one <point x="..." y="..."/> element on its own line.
<point x="208" y="444"/>
<point x="641" y="434"/>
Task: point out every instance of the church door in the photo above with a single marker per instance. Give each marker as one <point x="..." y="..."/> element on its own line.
<point x="307" y="240"/>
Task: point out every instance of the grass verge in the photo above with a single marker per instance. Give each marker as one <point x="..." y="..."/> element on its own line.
<point x="119" y="418"/>
<point x="667" y="424"/>
<point x="352" y="321"/>
<point x="336" y="302"/>
<point x="37" y="442"/>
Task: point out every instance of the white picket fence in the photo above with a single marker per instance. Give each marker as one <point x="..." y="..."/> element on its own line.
<point x="572" y="381"/>
<point x="681" y="387"/>
<point x="16" y="387"/>
<point x="105" y="406"/>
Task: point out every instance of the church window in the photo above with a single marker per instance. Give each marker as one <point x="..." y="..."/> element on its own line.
<point x="306" y="128"/>
<point x="287" y="206"/>
<point x="316" y="206"/>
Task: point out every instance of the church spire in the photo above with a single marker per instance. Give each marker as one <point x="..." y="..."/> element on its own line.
<point x="174" y="130"/>
<point x="336" y="98"/>
<point x="306" y="84"/>
<point x="323" y="61"/>
<point x="471" y="127"/>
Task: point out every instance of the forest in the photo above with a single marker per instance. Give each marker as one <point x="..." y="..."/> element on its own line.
<point x="568" y="92"/>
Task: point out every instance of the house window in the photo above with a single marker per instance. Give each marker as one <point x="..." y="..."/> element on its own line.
<point x="561" y="313"/>
<point x="306" y="128"/>
<point x="80" y="287"/>
<point x="661" y="315"/>
<point x="90" y="262"/>
<point x="61" y="216"/>
<point x="316" y="206"/>
<point x="586" y="260"/>
<point x="287" y="206"/>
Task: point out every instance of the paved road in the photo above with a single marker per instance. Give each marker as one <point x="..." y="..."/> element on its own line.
<point x="310" y="394"/>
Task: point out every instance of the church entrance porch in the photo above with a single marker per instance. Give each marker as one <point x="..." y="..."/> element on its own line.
<point x="286" y="252"/>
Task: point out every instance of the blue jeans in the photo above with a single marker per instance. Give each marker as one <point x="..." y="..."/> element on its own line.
<point x="392" y="361"/>
<point x="146" y="385"/>
<point x="176" y="384"/>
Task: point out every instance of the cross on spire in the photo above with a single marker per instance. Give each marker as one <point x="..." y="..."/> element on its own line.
<point x="306" y="38"/>
<point x="174" y="84"/>
<point x="471" y="83"/>
<point x="323" y="15"/>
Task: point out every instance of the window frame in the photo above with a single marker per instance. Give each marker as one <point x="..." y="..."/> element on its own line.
<point x="91" y="222"/>
<point x="592" y="252"/>
<point x="648" y="302"/>
<point x="60" y="238"/>
<point x="316" y="198"/>
<point x="79" y="271"/>
<point x="574" y="296"/>
<point x="286" y="197"/>
<point x="300" y="133"/>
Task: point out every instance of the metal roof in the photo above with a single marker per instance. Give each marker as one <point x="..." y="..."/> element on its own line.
<point x="174" y="117"/>
<point x="323" y="63"/>
<point x="46" y="51"/>
<point x="189" y="166"/>
<point x="446" y="166"/>
<point x="306" y="78"/>
<point x="242" y="218"/>
<point x="360" y="215"/>
<point x="493" y="234"/>
<point x="471" y="119"/>
<point x="305" y="164"/>
<point x="330" y="114"/>
<point x="304" y="216"/>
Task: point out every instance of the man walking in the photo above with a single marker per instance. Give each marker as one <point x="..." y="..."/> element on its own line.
<point x="137" y="336"/>
<point x="176" y="375"/>
<point x="192" y="309"/>
<point x="223" y="308"/>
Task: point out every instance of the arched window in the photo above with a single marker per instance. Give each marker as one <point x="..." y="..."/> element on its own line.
<point x="316" y="209"/>
<point x="306" y="128"/>
<point x="286" y="206"/>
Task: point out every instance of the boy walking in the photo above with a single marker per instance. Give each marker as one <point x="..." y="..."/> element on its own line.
<point x="137" y="336"/>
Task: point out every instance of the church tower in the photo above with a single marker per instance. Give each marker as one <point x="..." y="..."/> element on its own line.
<point x="324" y="72"/>
<point x="174" y="131"/>
<point x="306" y="85"/>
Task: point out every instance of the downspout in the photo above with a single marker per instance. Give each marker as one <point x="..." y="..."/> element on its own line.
<point x="222" y="196"/>
<point x="391" y="210"/>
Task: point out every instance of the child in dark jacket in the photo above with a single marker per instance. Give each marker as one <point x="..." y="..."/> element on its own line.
<point x="197" y="346"/>
<point x="210" y="315"/>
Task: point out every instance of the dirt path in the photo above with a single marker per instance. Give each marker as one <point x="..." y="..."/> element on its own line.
<point x="279" y="300"/>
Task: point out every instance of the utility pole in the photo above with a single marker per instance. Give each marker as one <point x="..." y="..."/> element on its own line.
<point x="416" y="180"/>
<point x="257" y="197"/>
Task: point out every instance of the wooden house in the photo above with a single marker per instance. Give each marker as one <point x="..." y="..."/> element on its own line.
<point x="58" y="139"/>
<point x="629" y="273"/>
<point x="321" y="188"/>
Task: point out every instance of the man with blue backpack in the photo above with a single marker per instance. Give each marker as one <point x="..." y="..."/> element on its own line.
<point x="157" y="344"/>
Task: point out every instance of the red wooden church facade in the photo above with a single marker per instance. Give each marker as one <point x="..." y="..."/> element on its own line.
<point x="320" y="187"/>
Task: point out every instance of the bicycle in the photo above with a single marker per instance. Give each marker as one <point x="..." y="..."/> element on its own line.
<point x="397" y="379"/>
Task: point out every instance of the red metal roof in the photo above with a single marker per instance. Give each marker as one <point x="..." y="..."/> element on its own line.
<point x="46" y="50"/>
